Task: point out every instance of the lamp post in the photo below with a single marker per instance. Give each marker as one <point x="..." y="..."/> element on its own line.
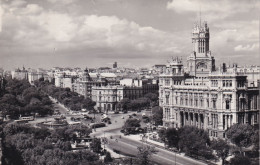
<point x="175" y="158"/>
<point x="119" y="149"/>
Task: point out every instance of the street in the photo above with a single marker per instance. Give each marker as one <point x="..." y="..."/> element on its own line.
<point x="126" y="144"/>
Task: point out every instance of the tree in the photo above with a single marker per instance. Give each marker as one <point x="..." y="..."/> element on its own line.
<point x="82" y="130"/>
<point x="95" y="145"/>
<point x="240" y="160"/>
<point x="222" y="149"/>
<point x="162" y="134"/>
<point x="157" y="113"/>
<point x="88" y="104"/>
<point x="132" y="123"/>
<point x="153" y="97"/>
<point x="194" y="141"/>
<point x="108" y="158"/>
<point x="144" y="154"/>
<point x="241" y="134"/>
<point x="124" y="104"/>
<point x="172" y="137"/>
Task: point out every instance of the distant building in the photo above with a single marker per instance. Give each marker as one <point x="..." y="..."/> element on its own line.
<point x="107" y="97"/>
<point x="20" y="74"/>
<point x="115" y="65"/>
<point x="83" y="85"/>
<point x="37" y="74"/>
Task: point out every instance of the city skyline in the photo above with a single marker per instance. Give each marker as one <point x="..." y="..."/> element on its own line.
<point x="96" y="33"/>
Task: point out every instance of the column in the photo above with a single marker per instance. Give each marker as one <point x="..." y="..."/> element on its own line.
<point x="230" y="119"/>
<point x="224" y="122"/>
<point x="184" y="118"/>
<point x="189" y="119"/>
<point x="199" y="121"/>
<point x="194" y="119"/>
<point x="205" y="123"/>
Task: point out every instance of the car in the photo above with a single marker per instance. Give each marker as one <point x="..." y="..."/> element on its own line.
<point x="133" y="114"/>
<point x="116" y="112"/>
<point x="105" y="119"/>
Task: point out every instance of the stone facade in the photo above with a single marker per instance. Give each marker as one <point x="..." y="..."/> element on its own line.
<point x="203" y="96"/>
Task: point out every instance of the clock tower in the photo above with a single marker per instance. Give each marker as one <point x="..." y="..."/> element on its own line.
<point x="200" y="62"/>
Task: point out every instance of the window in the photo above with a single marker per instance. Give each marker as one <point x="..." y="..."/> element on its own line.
<point x="196" y="102"/>
<point x="167" y="113"/>
<point x="227" y="104"/>
<point x="191" y="102"/>
<point x="214" y="104"/>
<point x="167" y="99"/>
<point x="167" y="82"/>
<point x="214" y="83"/>
<point x="181" y="101"/>
<point x="201" y="102"/>
<point x="230" y="83"/>
<point x="224" y="83"/>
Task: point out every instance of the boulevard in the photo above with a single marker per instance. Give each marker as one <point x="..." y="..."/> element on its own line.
<point x="124" y="144"/>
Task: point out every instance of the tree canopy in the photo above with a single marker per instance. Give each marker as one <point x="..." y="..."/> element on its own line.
<point x="27" y="145"/>
<point x="157" y="115"/>
<point x="241" y="134"/>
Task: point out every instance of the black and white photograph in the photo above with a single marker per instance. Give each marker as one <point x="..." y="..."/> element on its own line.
<point x="129" y="82"/>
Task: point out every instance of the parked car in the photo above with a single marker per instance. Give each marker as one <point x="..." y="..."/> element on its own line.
<point x="98" y="125"/>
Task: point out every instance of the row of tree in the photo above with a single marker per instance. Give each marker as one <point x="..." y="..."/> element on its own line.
<point x="195" y="142"/>
<point x="19" y="98"/>
<point x="149" y="100"/>
<point x="70" y="99"/>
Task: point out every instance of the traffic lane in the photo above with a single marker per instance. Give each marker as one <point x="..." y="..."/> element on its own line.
<point x="163" y="154"/>
<point x="131" y="149"/>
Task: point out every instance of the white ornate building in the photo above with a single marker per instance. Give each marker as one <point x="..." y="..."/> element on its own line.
<point x="204" y="97"/>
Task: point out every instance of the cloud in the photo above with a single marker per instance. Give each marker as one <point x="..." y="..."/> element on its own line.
<point x="41" y="30"/>
<point x="66" y="2"/>
<point x="213" y="9"/>
<point x="247" y="47"/>
<point x="1" y="15"/>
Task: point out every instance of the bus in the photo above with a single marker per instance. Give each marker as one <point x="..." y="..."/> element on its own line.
<point x="26" y="118"/>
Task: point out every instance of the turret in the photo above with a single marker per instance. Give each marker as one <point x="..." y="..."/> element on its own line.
<point x="200" y="39"/>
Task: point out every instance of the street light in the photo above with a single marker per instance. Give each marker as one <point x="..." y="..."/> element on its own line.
<point x="175" y="158"/>
<point x="119" y="149"/>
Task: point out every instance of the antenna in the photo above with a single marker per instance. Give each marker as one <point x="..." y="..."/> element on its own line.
<point x="200" y="16"/>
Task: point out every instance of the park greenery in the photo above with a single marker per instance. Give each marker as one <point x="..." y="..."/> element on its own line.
<point x="19" y="98"/>
<point x="68" y="98"/>
<point x="23" y="144"/>
<point x="196" y="143"/>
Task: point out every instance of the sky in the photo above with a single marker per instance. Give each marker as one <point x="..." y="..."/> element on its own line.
<point x="135" y="33"/>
